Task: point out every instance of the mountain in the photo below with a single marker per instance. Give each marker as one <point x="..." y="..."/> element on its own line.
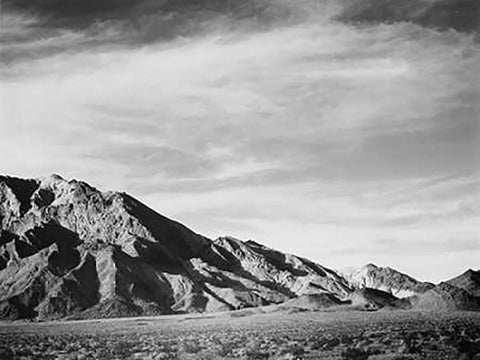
<point x="459" y="15"/>
<point x="459" y="293"/>
<point x="386" y="288"/>
<point x="386" y="279"/>
<point x="468" y="281"/>
<point x="70" y="250"/>
<point x="446" y="297"/>
<point x="371" y="299"/>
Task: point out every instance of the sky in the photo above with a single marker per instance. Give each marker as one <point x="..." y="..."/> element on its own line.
<point x="268" y="120"/>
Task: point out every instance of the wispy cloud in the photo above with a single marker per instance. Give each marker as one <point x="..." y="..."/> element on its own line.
<point x="306" y="129"/>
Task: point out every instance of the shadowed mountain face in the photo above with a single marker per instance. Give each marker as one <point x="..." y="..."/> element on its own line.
<point x="459" y="293"/>
<point x="446" y="297"/>
<point x="468" y="281"/>
<point x="67" y="249"/>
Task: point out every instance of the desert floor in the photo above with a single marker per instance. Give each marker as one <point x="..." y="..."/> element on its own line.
<point x="251" y="334"/>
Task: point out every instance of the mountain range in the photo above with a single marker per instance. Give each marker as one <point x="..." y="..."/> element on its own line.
<point x="68" y="250"/>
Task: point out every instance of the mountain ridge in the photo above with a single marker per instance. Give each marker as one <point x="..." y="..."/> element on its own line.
<point x="386" y="279"/>
<point x="68" y="250"/>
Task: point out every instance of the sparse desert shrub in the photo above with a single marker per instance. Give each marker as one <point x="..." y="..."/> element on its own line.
<point x="293" y="349"/>
<point x="244" y="341"/>
<point x="324" y="343"/>
<point x="123" y="348"/>
<point x="375" y="349"/>
<point x="468" y="347"/>
<point x="257" y="354"/>
<point x="192" y="347"/>
<point x="226" y="348"/>
<point x="6" y="353"/>
<point x="403" y="357"/>
<point x="317" y="344"/>
<point x="354" y="354"/>
<point x="346" y="340"/>
<point x="332" y="343"/>
<point x="166" y="351"/>
<point x="296" y="350"/>
<point x="166" y="356"/>
<point x="410" y="342"/>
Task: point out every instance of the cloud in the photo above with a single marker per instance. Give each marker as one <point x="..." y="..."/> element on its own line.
<point x="307" y="134"/>
<point x="173" y="163"/>
<point x="42" y="28"/>
<point x="461" y="15"/>
<point x="419" y="247"/>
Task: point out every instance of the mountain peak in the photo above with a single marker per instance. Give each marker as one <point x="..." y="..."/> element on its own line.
<point x="468" y="281"/>
<point x="254" y="243"/>
<point x="54" y="177"/>
<point x="385" y="279"/>
<point x="472" y="272"/>
<point x="69" y="249"/>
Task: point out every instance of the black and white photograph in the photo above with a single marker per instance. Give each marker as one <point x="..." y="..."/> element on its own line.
<point x="240" y="179"/>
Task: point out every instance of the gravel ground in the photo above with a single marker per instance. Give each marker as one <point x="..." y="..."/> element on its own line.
<point x="247" y="334"/>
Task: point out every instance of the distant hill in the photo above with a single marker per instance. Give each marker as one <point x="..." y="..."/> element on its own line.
<point x="446" y="297"/>
<point x="468" y="281"/>
<point x="69" y="250"/>
<point x="459" y="293"/>
<point x="386" y="279"/>
<point x="371" y="299"/>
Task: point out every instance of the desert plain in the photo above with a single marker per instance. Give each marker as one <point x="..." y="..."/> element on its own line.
<point x="260" y="333"/>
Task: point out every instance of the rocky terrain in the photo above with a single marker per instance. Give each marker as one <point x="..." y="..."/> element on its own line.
<point x="386" y="279"/>
<point x="68" y="250"/>
<point x="386" y="288"/>
<point x="468" y="281"/>
<point x="459" y="293"/>
<point x="238" y="335"/>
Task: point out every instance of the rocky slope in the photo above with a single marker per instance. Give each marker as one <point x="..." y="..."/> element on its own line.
<point x="446" y="297"/>
<point x="69" y="250"/>
<point x="459" y="293"/>
<point x="386" y="279"/>
<point x="372" y="299"/>
<point x="468" y="281"/>
<point x="386" y="288"/>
